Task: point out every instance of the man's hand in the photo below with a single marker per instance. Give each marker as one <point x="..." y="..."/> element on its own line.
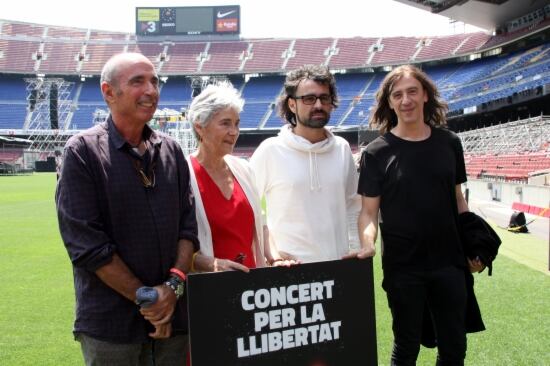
<point x="476" y="265"/>
<point x="281" y="262"/>
<point x="162" y="331"/>
<point x="161" y="311"/>
<point x="367" y="225"/>
<point x="362" y="253"/>
<point x="289" y="257"/>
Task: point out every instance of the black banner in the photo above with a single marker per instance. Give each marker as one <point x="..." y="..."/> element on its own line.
<point x="316" y="314"/>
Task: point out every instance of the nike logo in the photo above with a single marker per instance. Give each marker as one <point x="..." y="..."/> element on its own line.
<point x="223" y="15"/>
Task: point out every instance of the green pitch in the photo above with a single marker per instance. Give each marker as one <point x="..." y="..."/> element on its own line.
<point x="37" y="298"/>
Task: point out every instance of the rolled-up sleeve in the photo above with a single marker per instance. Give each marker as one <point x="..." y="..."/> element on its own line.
<point x="80" y="221"/>
<point x="188" y="220"/>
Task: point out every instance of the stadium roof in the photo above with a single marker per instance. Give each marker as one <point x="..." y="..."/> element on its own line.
<point x="486" y="14"/>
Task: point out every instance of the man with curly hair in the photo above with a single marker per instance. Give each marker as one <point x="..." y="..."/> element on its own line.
<point x="307" y="174"/>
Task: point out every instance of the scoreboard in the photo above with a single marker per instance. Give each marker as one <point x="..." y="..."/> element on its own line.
<point x="194" y="20"/>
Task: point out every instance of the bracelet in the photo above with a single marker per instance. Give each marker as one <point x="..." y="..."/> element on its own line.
<point x="178" y="273"/>
<point x="273" y="261"/>
<point x="177" y="285"/>
<point x="193" y="269"/>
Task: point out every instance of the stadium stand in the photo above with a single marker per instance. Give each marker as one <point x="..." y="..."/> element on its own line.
<point x="152" y="50"/>
<point x="439" y="47"/>
<point x="511" y="36"/>
<point x="109" y="36"/>
<point x="507" y="167"/>
<point x="351" y="52"/>
<point x="12" y="88"/>
<point x="19" y="56"/>
<point x="509" y="152"/>
<point x="475" y="72"/>
<point x="19" y="29"/>
<point x="309" y="51"/>
<point x="11" y="155"/>
<point x="472" y="43"/>
<point x="12" y="115"/>
<point x="176" y="90"/>
<point x="359" y="115"/>
<point x="55" y="60"/>
<point x="463" y="85"/>
<point x="395" y="50"/>
<point x="224" y="57"/>
<point x="96" y="55"/>
<point x="259" y="94"/>
<point x="351" y="88"/>
<point x="184" y="58"/>
<point x="13" y="102"/>
<point x="255" y="55"/>
<point x="265" y="55"/>
<point x="72" y="34"/>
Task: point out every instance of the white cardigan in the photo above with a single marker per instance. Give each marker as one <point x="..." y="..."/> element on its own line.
<point x="244" y="175"/>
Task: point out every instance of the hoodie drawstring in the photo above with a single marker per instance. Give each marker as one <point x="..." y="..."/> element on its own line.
<point x="314" y="180"/>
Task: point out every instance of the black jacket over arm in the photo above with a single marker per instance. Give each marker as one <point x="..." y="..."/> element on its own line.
<point x="479" y="240"/>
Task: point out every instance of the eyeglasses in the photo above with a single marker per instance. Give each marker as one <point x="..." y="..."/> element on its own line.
<point x="148" y="180"/>
<point x="311" y="99"/>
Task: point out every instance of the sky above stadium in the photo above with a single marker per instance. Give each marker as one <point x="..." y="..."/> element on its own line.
<point x="259" y="18"/>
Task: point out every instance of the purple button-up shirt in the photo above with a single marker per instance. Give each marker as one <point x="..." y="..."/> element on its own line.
<point x="103" y="208"/>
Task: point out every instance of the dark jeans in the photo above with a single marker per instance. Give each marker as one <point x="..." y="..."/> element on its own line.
<point x="163" y="352"/>
<point x="444" y="290"/>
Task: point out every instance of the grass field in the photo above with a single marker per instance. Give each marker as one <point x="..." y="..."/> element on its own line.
<point x="37" y="300"/>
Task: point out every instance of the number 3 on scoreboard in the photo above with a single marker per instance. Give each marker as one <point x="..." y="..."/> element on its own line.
<point x="147" y="27"/>
<point x="151" y="27"/>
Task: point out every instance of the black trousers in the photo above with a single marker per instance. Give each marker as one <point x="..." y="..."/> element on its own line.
<point x="444" y="290"/>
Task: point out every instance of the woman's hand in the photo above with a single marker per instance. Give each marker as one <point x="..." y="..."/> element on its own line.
<point x="204" y="263"/>
<point x="220" y="265"/>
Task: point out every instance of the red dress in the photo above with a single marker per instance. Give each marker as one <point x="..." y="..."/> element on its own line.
<point x="231" y="220"/>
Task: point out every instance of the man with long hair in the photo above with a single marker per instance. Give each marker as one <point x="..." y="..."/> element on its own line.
<point x="410" y="182"/>
<point x="307" y="174"/>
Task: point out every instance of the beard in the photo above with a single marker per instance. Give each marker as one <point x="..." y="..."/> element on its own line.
<point x="316" y="122"/>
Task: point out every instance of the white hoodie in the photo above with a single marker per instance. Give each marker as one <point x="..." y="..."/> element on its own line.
<point x="311" y="194"/>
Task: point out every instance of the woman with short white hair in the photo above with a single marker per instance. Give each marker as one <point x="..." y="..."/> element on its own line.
<point x="228" y="206"/>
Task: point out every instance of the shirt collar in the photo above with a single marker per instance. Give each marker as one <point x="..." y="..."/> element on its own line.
<point x="119" y="141"/>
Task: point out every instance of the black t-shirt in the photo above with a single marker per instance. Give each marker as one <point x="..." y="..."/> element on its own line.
<point x="416" y="183"/>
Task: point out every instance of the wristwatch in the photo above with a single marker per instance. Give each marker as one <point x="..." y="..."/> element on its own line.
<point x="177" y="285"/>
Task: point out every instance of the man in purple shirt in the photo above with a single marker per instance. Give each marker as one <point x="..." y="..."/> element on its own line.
<point x="127" y="218"/>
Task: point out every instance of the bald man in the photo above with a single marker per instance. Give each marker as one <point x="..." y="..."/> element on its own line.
<point x="127" y="218"/>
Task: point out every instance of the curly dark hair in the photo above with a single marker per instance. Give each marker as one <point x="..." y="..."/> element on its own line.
<point x="317" y="73"/>
<point x="385" y="118"/>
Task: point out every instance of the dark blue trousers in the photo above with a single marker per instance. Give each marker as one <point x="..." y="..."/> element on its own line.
<point x="444" y="290"/>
